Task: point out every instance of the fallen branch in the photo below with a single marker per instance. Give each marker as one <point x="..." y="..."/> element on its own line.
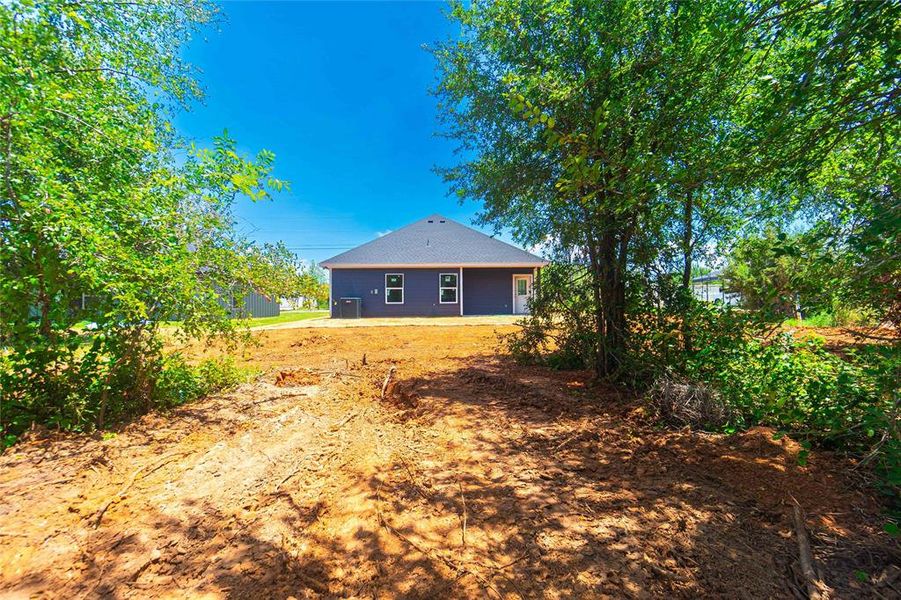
<point x="131" y="481"/>
<point x="282" y="397"/>
<point x="568" y="440"/>
<point x="416" y="487"/>
<point x="816" y="589"/>
<point x="345" y="421"/>
<point x="869" y="336"/>
<point x="388" y="379"/>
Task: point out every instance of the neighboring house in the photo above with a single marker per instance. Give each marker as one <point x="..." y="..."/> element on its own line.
<point x="253" y="305"/>
<point x="433" y="267"/>
<point x="709" y="288"/>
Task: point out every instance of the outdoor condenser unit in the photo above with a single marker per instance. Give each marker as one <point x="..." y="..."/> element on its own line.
<point x="350" y="308"/>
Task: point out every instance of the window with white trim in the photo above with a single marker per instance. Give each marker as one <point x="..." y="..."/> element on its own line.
<point x="394" y="288"/>
<point x="447" y="288"/>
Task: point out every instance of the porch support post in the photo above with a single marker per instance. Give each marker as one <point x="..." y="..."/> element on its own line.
<point x="460" y="291"/>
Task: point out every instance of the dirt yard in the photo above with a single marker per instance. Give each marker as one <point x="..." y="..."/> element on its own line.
<point x="475" y="478"/>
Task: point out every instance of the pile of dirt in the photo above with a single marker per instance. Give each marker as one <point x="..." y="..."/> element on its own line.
<point x="469" y="476"/>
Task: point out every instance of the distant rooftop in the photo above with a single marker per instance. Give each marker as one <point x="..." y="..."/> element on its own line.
<point x="709" y="277"/>
<point x="435" y="241"/>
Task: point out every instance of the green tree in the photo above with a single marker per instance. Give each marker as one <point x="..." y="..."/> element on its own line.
<point x="630" y="135"/>
<point x="598" y="127"/>
<point x="105" y="215"/>
<point x="858" y="219"/>
<point x="314" y="286"/>
<point x="777" y="273"/>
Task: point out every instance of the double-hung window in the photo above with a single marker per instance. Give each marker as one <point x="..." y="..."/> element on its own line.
<point x="394" y="288"/>
<point x="447" y="288"/>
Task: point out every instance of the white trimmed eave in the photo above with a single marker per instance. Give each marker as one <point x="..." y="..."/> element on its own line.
<point x="529" y="265"/>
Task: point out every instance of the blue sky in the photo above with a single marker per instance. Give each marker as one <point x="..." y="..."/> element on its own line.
<point x="339" y="91"/>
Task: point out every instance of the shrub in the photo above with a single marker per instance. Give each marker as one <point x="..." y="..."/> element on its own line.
<point x="220" y="374"/>
<point x="559" y="331"/>
<point x="101" y="384"/>
<point x="723" y="369"/>
<point x="820" y="319"/>
<point x="849" y="402"/>
<point x="180" y="382"/>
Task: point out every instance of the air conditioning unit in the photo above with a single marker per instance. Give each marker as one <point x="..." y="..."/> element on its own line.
<point x="350" y="308"/>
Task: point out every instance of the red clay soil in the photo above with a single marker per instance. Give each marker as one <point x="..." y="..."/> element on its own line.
<point x="474" y="478"/>
<point x="841" y="339"/>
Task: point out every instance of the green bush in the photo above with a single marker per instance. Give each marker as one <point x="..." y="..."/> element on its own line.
<point x="848" y="402"/>
<point x="106" y="382"/>
<point x="559" y="331"/>
<point x="180" y="382"/>
<point x="731" y="370"/>
<point x="820" y="319"/>
<point x="220" y="374"/>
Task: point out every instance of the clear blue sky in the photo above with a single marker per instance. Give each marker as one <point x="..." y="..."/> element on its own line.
<point x="339" y="91"/>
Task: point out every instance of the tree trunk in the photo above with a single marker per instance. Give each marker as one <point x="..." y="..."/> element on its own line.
<point x="607" y="262"/>
<point x="597" y="293"/>
<point x="612" y="294"/>
<point x="687" y="245"/>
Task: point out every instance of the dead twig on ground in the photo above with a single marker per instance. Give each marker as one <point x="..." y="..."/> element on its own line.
<point x="416" y="487"/>
<point x="347" y="420"/>
<point x="521" y="558"/>
<point x="567" y="440"/>
<point x="131" y="481"/>
<point x="290" y="475"/>
<point x="273" y="398"/>
<point x="816" y="589"/>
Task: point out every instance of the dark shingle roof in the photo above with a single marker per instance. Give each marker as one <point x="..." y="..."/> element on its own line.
<point x="435" y="240"/>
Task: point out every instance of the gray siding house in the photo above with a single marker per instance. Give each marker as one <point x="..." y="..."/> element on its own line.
<point x="433" y="267"/>
<point x="253" y="305"/>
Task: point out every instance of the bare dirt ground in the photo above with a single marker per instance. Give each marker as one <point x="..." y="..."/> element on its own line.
<point x="476" y="478"/>
<point x="327" y="323"/>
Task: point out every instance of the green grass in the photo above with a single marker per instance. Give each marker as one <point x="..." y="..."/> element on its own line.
<point x="816" y="320"/>
<point x="289" y="316"/>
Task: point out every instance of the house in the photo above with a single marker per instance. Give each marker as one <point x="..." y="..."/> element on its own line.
<point x="252" y="305"/>
<point x="709" y="288"/>
<point x="433" y="267"/>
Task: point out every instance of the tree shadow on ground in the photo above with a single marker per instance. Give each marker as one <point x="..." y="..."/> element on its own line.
<point x="516" y="482"/>
<point x="682" y="512"/>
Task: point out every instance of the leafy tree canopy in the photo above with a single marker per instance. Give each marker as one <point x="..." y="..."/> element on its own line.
<point x="105" y="214"/>
<point x="630" y="135"/>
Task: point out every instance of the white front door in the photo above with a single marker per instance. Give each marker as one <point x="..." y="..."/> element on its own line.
<point x="522" y="292"/>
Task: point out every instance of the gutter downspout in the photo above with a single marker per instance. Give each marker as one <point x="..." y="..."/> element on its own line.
<point x="331" y="306"/>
